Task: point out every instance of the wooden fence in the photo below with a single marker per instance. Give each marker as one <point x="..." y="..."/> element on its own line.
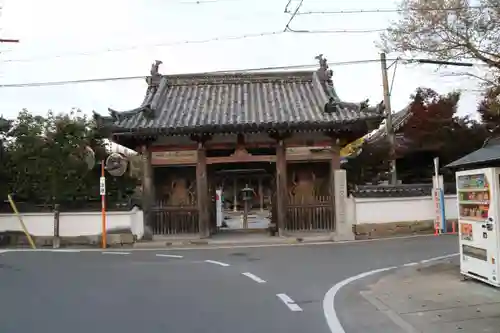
<point x="174" y="220"/>
<point x="312" y="215"/>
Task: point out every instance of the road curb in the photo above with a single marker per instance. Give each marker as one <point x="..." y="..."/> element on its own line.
<point x="200" y="244"/>
<point x="209" y="243"/>
<point x="329" y="299"/>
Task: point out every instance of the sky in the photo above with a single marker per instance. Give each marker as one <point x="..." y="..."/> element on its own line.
<point x="63" y="40"/>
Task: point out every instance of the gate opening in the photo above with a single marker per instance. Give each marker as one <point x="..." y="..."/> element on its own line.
<point x="246" y="193"/>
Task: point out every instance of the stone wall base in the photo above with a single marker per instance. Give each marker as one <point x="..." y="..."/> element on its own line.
<point x="17" y="239"/>
<point x="381" y="230"/>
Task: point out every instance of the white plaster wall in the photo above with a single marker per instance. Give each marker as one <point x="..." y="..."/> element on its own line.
<point x="75" y="224"/>
<point x="385" y="210"/>
<point x="357" y="211"/>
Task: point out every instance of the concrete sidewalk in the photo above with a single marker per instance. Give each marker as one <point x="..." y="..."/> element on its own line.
<point x="429" y="299"/>
<point x="234" y="239"/>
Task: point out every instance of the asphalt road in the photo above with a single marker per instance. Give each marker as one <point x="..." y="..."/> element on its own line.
<point x="147" y="291"/>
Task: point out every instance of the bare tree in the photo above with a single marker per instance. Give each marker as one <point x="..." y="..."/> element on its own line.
<point x="448" y="30"/>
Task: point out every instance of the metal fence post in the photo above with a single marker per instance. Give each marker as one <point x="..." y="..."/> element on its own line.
<point x="56" y="242"/>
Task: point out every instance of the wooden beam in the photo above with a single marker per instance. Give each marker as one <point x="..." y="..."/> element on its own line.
<point x="276" y="135"/>
<point x="181" y="157"/>
<point x="308" y="153"/>
<point x="231" y="145"/>
<point x="200" y="138"/>
<point x="241" y="159"/>
<point x="184" y="159"/>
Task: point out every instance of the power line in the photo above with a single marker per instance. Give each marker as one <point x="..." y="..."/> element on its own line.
<point x="297" y="11"/>
<point x="335" y="31"/>
<point x="186" y="42"/>
<point x="61" y="83"/>
<point x="392" y="10"/>
<point x="287" y="26"/>
<point x="202" y="2"/>
<point x="130" y="48"/>
<point x="261" y="69"/>
<point x="128" y="78"/>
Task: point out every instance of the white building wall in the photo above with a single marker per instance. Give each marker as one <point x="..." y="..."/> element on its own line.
<point x="357" y="211"/>
<point x="75" y="224"/>
<point x="386" y="210"/>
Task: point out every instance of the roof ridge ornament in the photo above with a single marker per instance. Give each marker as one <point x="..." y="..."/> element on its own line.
<point x="155" y="77"/>
<point x="115" y="114"/>
<point x="380" y="107"/>
<point x="325" y="74"/>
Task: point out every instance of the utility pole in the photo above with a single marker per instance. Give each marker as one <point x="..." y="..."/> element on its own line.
<point x="4" y="40"/>
<point x="391" y="138"/>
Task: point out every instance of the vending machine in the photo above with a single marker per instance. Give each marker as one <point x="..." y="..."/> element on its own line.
<point x="479" y="224"/>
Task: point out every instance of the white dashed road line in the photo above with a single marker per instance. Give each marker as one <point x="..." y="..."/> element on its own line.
<point x="66" y="250"/>
<point x="289" y="302"/>
<point x="169" y="255"/>
<point x="253" y="277"/>
<point x="217" y="263"/>
<point x="438" y="258"/>
<point x="410" y="264"/>
<point x="116" y="252"/>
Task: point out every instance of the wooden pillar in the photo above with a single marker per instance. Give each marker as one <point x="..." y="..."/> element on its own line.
<point x="202" y="191"/>
<point x="281" y="184"/>
<point x="148" y="191"/>
<point x="334" y="165"/>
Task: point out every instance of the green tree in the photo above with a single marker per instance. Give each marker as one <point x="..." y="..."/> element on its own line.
<point x="489" y="110"/>
<point x="5" y="176"/>
<point x="28" y="156"/>
<point x="47" y="156"/>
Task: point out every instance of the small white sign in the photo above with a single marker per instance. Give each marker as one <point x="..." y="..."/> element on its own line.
<point x="102" y="186"/>
<point x="218" y="206"/>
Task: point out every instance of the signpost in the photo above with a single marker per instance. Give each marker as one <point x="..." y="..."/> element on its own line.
<point x="439" y="222"/>
<point x="218" y="206"/>
<point x="438" y="199"/>
<point x="116" y="165"/>
<point x="102" y="192"/>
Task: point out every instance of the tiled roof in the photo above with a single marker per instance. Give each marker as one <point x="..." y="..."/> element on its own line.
<point x="402" y="190"/>
<point x="488" y="155"/>
<point x="399" y="119"/>
<point x="239" y="102"/>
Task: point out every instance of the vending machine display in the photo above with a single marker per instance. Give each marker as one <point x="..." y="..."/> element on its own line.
<point x="478" y="207"/>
